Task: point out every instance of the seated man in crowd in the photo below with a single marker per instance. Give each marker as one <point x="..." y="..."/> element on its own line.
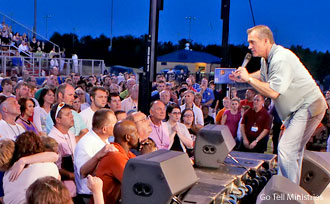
<point x="99" y="98"/>
<point x="130" y="83"/>
<point x="7" y="87"/>
<point x="255" y="127"/>
<point x="189" y="104"/>
<point x="165" y="97"/>
<point x="63" y="120"/>
<point x="65" y="93"/>
<point x="207" y="93"/>
<point x="91" y="148"/>
<point x="120" y="115"/>
<point x="131" y="102"/>
<point x="10" y="109"/>
<point x="159" y="132"/>
<point x="160" y="87"/>
<point x="249" y="96"/>
<point x="144" y="129"/>
<point x="114" y="102"/>
<point x="111" y="167"/>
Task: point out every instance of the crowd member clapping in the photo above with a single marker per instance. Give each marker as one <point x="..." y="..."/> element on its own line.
<point x="180" y="138"/>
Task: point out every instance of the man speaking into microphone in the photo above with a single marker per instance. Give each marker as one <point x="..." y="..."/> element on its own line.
<point x="297" y="98"/>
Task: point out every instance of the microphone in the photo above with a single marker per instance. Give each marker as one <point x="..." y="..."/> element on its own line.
<point x="247" y="58"/>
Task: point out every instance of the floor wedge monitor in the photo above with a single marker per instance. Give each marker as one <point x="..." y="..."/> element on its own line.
<point x="315" y="174"/>
<point x="213" y="143"/>
<point x="157" y="177"/>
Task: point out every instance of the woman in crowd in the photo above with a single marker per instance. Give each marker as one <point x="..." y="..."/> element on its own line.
<point x="82" y="96"/>
<point x="49" y="190"/>
<point x="28" y="149"/>
<point x="76" y="104"/>
<point x="27" y="109"/>
<point x="198" y="99"/>
<point x="187" y="118"/>
<point x="46" y="99"/>
<point x="180" y="138"/>
<point x="232" y="117"/>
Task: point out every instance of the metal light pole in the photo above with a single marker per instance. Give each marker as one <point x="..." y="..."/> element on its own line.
<point x="190" y="19"/>
<point x="48" y="16"/>
<point x="35" y="19"/>
<point x="150" y="68"/>
<point x="225" y="8"/>
<point x="111" y="22"/>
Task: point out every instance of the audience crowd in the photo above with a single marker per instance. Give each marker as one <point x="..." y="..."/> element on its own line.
<point x="68" y="141"/>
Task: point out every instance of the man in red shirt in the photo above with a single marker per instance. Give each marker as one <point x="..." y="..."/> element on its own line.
<point x="111" y="167"/>
<point x="249" y="95"/>
<point x="255" y="127"/>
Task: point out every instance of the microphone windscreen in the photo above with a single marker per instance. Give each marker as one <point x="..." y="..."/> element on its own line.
<point x="247" y="58"/>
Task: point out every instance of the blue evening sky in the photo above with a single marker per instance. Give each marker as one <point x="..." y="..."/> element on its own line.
<point x="294" y="22"/>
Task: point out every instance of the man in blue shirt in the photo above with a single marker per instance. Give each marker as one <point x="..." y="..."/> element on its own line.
<point x="193" y="82"/>
<point x="65" y="93"/>
<point x="208" y="95"/>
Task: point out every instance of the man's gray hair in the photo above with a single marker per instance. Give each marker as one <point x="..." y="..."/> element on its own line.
<point x="263" y="32"/>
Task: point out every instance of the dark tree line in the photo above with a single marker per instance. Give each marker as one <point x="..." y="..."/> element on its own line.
<point x="130" y="51"/>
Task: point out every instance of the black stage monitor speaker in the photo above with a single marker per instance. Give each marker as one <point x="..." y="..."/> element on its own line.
<point x="157" y="177"/>
<point x="281" y="190"/>
<point x="315" y="174"/>
<point x="213" y="143"/>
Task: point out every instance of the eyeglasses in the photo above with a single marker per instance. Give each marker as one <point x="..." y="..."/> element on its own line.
<point x="176" y="113"/>
<point x="59" y="107"/>
<point x="142" y="120"/>
<point x="188" y="115"/>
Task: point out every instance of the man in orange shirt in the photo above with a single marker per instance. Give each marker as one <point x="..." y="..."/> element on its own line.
<point x="111" y="167"/>
<point x="226" y="106"/>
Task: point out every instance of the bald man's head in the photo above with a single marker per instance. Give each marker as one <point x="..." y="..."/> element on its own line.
<point x="126" y="134"/>
<point x="142" y="123"/>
